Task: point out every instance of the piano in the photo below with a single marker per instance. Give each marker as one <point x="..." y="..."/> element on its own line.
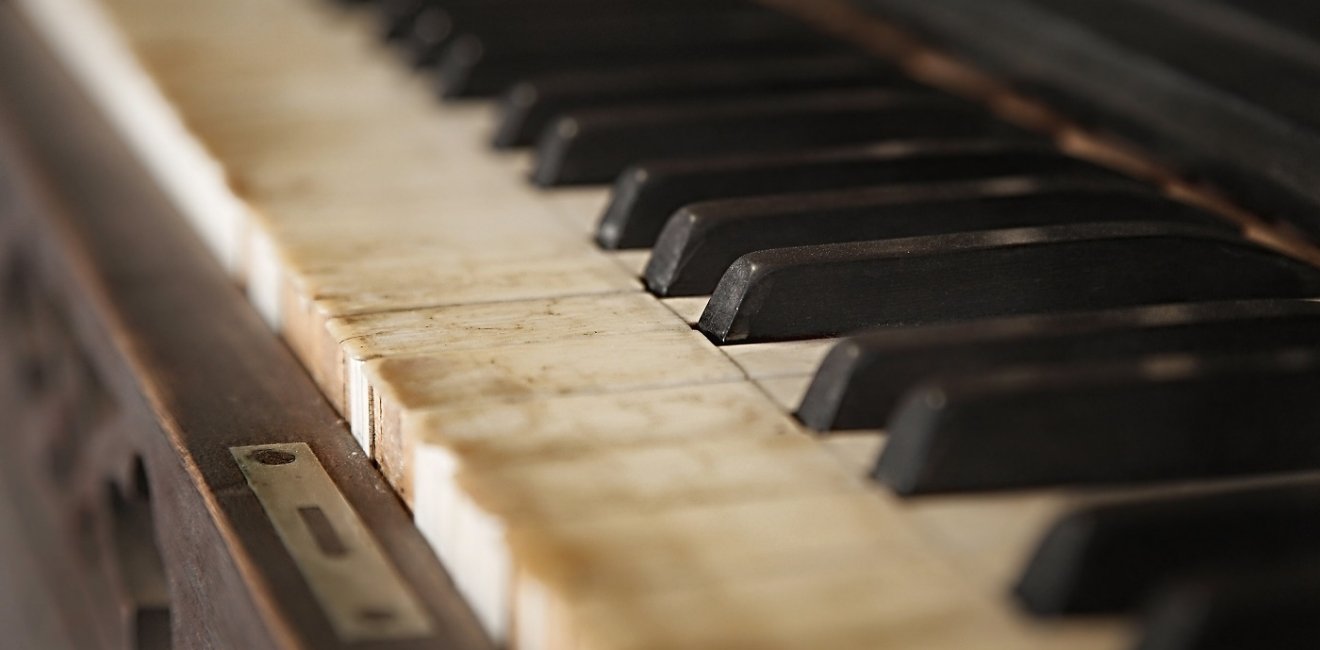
<point x="632" y="325"/>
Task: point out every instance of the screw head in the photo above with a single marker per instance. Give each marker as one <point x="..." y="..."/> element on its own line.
<point x="273" y="457"/>
<point x="375" y="615"/>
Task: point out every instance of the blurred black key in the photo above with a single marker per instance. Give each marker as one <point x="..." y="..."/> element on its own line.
<point x="1302" y="17"/>
<point x="426" y="34"/>
<point x="1156" y="419"/>
<point x="484" y="63"/>
<point x="814" y="291"/>
<point x="1210" y="48"/>
<point x="701" y="241"/>
<point x="1276" y="606"/>
<point x="397" y="16"/>
<point x="428" y="30"/>
<point x="646" y="196"/>
<point x="862" y="379"/>
<point x="1109" y="558"/>
<point x="530" y="105"/>
<point x="594" y="145"/>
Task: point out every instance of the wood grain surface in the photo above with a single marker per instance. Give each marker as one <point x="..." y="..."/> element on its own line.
<point x="191" y="371"/>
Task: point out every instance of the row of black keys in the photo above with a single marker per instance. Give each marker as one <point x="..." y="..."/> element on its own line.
<point x="1077" y="326"/>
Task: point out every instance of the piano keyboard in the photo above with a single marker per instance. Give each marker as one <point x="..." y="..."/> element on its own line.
<point x="601" y="360"/>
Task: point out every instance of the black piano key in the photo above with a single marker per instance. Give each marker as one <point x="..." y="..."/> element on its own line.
<point x="1301" y="17"/>
<point x="485" y="63"/>
<point x="647" y="195"/>
<point x="701" y="241"/>
<point x="863" y="378"/>
<point x="815" y="291"/>
<point x="1155" y="419"/>
<point x="1275" y="606"/>
<point x="530" y="105"/>
<point x="1173" y="96"/>
<point x="397" y="16"/>
<point x="1110" y="558"/>
<point x="426" y="34"/>
<point x="594" y="145"/>
<point x="1206" y="46"/>
<point x="428" y="30"/>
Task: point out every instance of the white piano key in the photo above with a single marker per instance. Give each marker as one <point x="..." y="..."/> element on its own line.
<point x="634" y="261"/>
<point x="265" y="277"/>
<point x="1010" y="525"/>
<point x="89" y="43"/>
<point x="411" y="284"/>
<point x="589" y="432"/>
<point x="671" y="549"/>
<point x="486" y="576"/>
<point x="784" y="359"/>
<point x="787" y="392"/>
<point x="856" y="450"/>
<point x="572" y="425"/>
<point x="468" y="541"/>
<point x="360" y="405"/>
<point x="989" y="537"/>
<point x="608" y="363"/>
<point x="306" y="318"/>
<point x="647" y="480"/>
<point x="603" y="363"/>
<point x="500" y="324"/>
<point x="539" y="624"/>
<point x="582" y="206"/>
<point x="365" y="337"/>
<point x="902" y="595"/>
<point x="654" y="478"/>
<point x="687" y="308"/>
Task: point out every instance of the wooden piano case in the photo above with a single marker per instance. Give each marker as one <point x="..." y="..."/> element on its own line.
<point x="130" y="366"/>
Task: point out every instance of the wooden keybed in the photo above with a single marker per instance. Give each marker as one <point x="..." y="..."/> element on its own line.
<point x="75" y="216"/>
<point x="591" y="472"/>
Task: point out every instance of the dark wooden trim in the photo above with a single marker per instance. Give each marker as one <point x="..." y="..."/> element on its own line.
<point x="189" y="371"/>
